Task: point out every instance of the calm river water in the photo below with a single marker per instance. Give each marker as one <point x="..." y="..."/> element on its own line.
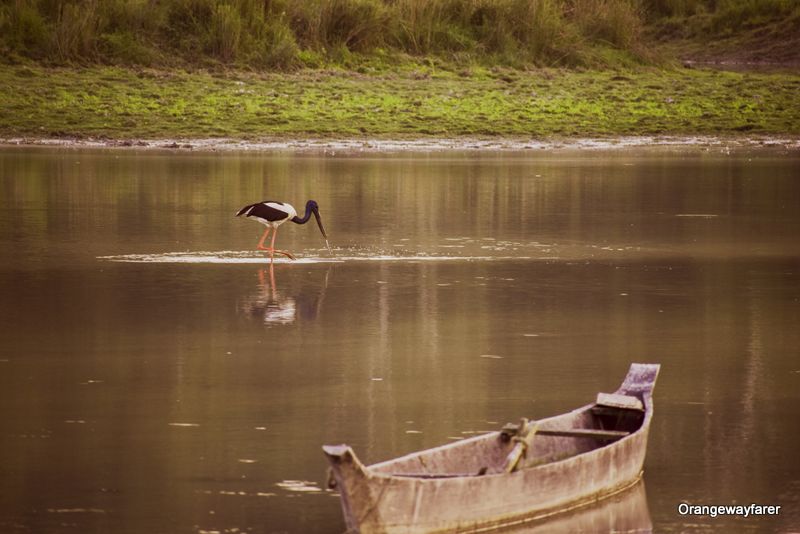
<point x="157" y="377"/>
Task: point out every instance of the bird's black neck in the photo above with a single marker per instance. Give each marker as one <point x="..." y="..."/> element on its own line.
<point x="305" y="218"/>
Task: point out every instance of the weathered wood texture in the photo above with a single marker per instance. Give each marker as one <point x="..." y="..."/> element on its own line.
<point x="586" y="433"/>
<point x="613" y="400"/>
<point x="428" y="491"/>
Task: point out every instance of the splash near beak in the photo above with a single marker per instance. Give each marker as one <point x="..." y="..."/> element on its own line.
<point x="322" y="229"/>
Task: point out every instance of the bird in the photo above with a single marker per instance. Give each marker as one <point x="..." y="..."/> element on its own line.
<point x="272" y="214"/>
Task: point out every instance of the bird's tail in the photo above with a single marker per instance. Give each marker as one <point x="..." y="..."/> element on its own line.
<point x="245" y="210"/>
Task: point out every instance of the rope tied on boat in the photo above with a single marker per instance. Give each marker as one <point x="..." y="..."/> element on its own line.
<point x="522" y="443"/>
<point x="521" y="439"/>
<point x="518" y="441"/>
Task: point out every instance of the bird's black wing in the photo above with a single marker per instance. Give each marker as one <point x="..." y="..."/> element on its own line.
<point x="263" y="211"/>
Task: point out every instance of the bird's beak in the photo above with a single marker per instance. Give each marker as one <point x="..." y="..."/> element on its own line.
<point x="321" y="228"/>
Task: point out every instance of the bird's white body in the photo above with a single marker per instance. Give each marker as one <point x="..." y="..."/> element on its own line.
<point x="288" y="209"/>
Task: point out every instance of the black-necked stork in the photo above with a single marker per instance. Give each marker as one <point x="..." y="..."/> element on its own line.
<point x="273" y="214"/>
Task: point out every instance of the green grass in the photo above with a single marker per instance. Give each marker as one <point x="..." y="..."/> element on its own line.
<point x="418" y="100"/>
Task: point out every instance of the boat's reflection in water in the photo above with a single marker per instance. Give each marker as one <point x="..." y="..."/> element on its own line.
<point x="274" y="307"/>
<point x="626" y="512"/>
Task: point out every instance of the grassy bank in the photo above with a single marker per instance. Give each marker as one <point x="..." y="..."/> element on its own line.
<point x="417" y="100"/>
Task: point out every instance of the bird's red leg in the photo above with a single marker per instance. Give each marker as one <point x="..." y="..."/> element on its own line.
<point x="272" y="247"/>
<point x="272" y="279"/>
<point x="260" y="245"/>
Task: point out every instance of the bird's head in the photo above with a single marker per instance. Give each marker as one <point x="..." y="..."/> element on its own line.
<point x="313" y="207"/>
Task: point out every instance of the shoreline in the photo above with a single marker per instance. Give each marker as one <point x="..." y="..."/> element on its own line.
<point x="391" y="145"/>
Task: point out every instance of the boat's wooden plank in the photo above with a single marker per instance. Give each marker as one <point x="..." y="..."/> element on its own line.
<point x="641" y="378"/>
<point x="615" y="400"/>
<point x="584" y="433"/>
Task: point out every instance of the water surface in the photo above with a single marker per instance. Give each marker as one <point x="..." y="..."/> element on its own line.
<point x="156" y="375"/>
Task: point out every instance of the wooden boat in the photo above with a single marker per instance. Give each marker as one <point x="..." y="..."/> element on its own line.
<point x="523" y="473"/>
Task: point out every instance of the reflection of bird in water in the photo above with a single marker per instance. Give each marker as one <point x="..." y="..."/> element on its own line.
<point x="275" y="308"/>
<point x="273" y="214"/>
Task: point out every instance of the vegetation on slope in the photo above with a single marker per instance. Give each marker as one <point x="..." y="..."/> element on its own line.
<point x="733" y="31"/>
<point x="289" y="34"/>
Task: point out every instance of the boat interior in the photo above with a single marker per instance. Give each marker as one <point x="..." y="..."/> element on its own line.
<point x="527" y="444"/>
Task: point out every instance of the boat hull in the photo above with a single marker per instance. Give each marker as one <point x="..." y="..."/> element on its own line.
<point x="376" y="499"/>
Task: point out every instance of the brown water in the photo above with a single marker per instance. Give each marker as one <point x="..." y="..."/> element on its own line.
<point x="155" y="376"/>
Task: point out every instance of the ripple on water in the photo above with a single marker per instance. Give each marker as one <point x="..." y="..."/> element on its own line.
<point x="301" y="486"/>
<point x="235" y="257"/>
<point x="451" y="250"/>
